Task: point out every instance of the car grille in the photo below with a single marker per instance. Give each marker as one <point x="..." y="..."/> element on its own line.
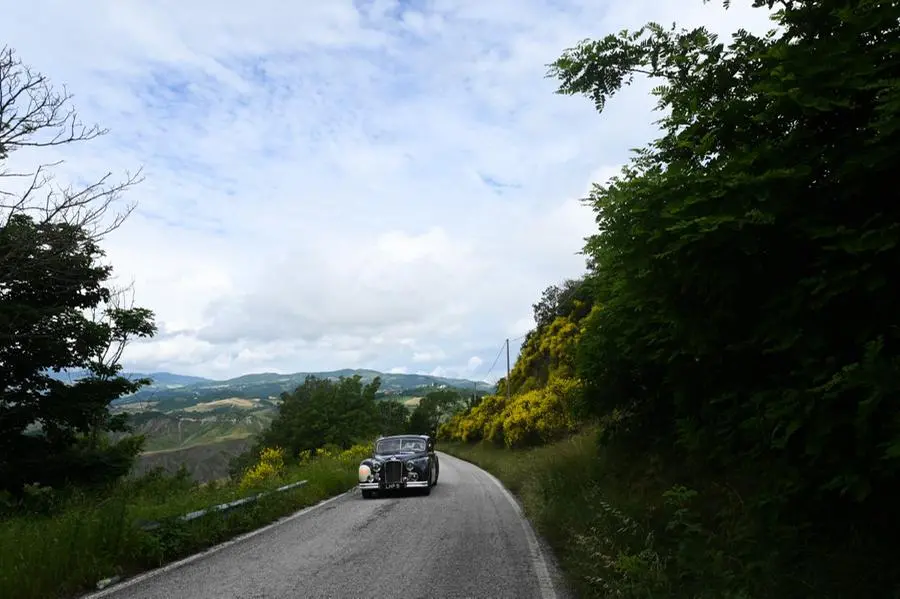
<point x="392" y="472"/>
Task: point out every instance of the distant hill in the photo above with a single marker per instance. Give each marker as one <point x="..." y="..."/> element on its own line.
<point x="198" y="421"/>
<point x="176" y="392"/>
<point x="162" y="380"/>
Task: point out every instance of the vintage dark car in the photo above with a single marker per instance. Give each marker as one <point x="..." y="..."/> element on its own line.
<point x="400" y="462"/>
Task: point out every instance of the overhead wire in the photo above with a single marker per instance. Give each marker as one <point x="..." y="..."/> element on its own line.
<point x="499" y="353"/>
<point x="491" y="369"/>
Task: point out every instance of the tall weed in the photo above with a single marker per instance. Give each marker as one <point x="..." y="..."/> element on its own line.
<point x="58" y="544"/>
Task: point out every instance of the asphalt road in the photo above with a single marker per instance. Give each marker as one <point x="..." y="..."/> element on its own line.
<point x="467" y="539"/>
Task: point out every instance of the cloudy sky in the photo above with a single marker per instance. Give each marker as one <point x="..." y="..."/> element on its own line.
<point x="386" y="184"/>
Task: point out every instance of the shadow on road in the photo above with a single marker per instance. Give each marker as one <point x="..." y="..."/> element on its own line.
<point x="396" y="493"/>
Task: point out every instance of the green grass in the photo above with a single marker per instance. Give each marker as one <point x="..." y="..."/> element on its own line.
<point x="555" y="486"/>
<point x="622" y="524"/>
<point x="618" y="525"/>
<point x="83" y="539"/>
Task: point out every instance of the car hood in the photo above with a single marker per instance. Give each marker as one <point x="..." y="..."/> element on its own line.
<point x="384" y="457"/>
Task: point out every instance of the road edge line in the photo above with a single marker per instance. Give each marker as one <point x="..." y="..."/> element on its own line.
<point x="211" y="550"/>
<point x="538" y="559"/>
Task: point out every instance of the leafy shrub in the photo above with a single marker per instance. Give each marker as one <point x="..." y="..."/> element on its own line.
<point x="542" y="415"/>
<point x="270" y="467"/>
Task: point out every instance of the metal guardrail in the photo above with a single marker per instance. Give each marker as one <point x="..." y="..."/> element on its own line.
<point x="151" y="525"/>
<point x="222" y="507"/>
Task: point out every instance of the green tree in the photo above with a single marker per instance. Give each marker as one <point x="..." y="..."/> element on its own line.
<point x="393" y="417"/>
<point x="433" y="409"/>
<point x="325" y="412"/>
<point x="746" y="262"/>
<point x="57" y="309"/>
<point x="50" y="431"/>
<point x="559" y="300"/>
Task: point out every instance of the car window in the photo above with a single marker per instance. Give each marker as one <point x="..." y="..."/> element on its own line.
<point x="386" y="446"/>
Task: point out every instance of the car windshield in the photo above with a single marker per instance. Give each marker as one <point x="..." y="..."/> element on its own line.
<point x="387" y="446"/>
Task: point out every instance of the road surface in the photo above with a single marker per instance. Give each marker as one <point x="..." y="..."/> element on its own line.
<point x="466" y="539"/>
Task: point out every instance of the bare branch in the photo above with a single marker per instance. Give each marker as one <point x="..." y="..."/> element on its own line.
<point x="29" y="105"/>
<point x="120" y="298"/>
<point x="34" y="114"/>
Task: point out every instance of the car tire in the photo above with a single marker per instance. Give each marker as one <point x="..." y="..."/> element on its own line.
<point x="427" y="490"/>
<point x="368" y="494"/>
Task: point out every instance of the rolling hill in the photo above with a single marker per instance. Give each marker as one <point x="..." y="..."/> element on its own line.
<point x="177" y="392"/>
<point x="202" y="422"/>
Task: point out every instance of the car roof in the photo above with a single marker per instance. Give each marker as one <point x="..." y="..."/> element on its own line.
<point x="404" y="437"/>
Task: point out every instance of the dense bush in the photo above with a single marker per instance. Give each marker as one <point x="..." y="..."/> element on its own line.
<point x="741" y="345"/>
<point x="545" y="395"/>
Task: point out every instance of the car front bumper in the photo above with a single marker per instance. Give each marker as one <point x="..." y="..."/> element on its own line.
<point x="379" y="486"/>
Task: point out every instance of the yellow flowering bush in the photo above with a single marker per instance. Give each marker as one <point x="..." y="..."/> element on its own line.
<point x="480" y="422"/>
<point x="269" y="467"/>
<point x="540" y="416"/>
<point x="545" y="391"/>
<point x="355" y="454"/>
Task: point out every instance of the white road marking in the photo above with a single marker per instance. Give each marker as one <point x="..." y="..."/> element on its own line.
<point x="214" y="549"/>
<point x="545" y="582"/>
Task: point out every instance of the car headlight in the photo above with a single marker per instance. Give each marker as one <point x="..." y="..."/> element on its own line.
<point x="364" y="473"/>
<point x="420" y="463"/>
<point x="376" y="466"/>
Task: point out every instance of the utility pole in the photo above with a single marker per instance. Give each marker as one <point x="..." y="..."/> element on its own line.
<point x="507" y="371"/>
<point x="474" y="392"/>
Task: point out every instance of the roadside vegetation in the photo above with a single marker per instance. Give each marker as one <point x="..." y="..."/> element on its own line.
<point x="56" y="544"/>
<point x="713" y="410"/>
<point x="71" y="512"/>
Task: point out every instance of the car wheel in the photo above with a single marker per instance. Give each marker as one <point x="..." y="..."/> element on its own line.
<point x="427" y="490"/>
<point x="368" y="493"/>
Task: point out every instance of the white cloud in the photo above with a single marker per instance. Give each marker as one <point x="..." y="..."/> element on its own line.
<point x="338" y="184"/>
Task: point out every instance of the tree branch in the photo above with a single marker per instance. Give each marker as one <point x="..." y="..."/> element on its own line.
<point x="33" y="114"/>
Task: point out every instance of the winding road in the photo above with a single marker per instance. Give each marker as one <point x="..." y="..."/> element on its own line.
<point x="467" y="539"/>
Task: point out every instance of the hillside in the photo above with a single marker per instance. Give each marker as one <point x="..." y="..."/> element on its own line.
<point x="204" y="462"/>
<point x="188" y="428"/>
<point x="174" y="391"/>
<point x="180" y="413"/>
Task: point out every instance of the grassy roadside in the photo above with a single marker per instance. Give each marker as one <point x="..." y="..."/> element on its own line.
<point x="64" y="546"/>
<point x="616" y="528"/>
<point x="623" y="524"/>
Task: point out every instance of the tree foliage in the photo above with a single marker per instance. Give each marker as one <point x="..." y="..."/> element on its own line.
<point x="57" y="308"/>
<point x="558" y="300"/>
<point x="57" y="313"/>
<point x="433" y="409"/>
<point x="393" y="417"/>
<point x="745" y="263"/>
<point x="740" y="321"/>
<point x="545" y="395"/>
<point x="324" y="412"/>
